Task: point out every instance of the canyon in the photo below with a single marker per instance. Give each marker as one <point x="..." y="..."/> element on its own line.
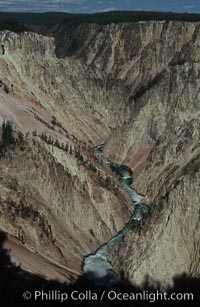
<point x="134" y="87"/>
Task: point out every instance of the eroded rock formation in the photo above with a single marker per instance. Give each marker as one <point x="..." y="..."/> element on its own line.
<point x="134" y="86"/>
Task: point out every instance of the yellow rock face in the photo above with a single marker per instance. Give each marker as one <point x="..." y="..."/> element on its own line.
<point x="134" y="87"/>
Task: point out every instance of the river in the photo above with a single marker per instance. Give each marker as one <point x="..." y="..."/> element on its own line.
<point x="96" y="266"/>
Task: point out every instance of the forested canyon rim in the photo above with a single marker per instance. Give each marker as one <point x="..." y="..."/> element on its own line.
<point x="134" y="86"/>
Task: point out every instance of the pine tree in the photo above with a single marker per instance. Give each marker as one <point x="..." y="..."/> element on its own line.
<point x="7" y="134"/>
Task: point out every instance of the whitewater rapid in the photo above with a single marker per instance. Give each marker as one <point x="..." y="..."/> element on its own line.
<point x="96" y="266"/>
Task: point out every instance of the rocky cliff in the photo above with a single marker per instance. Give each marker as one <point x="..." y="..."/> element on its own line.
<point x="134" y="86"/>
<point x="97" y="69"/>
<point x="55" y="202"/>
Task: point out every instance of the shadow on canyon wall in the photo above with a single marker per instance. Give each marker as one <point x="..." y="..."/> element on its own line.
<point x="14" y="282"/>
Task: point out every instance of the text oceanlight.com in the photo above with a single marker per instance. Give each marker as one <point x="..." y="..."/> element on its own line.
<point x="89" y="295"/>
